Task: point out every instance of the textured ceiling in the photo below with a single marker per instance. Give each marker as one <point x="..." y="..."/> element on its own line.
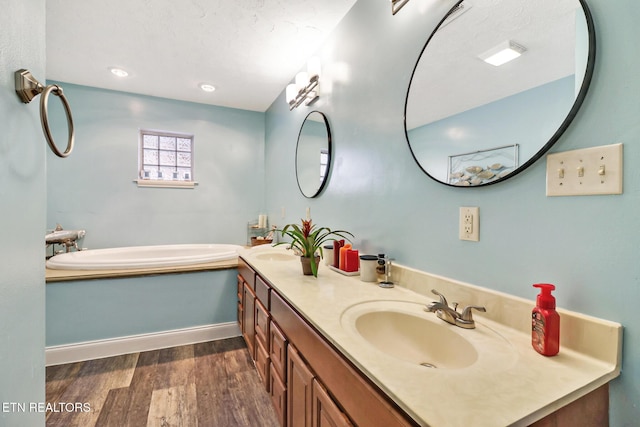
<point x="249" y="49"/>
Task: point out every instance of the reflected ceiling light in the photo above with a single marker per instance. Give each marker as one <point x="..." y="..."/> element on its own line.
<point x="502" y="53"/>
<point x="305" y="89"/>
<point x="396" y="5"/>
<point x="207" y="87"/>
<point x="118" y="72"/>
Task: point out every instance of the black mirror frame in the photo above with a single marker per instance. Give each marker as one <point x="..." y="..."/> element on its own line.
<point x="591" y="57"/>
<point x="329" y="155"/>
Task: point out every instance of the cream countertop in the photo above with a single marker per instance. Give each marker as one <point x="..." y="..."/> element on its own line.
<point x="513" y="387"/>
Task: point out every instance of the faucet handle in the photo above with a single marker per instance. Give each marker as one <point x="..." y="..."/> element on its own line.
<point x="467" y="314"/>
<point x="466" y="318"/>
<point x="443" y="300"/>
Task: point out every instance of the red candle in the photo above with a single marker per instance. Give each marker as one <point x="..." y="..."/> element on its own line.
<point x="352" y="262"/>
<point x="337" y="244"/>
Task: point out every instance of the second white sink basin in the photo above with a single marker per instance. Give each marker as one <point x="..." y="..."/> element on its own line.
<point x="275" y="256"/>
<point x="416" y="340"/>
<point x="404" y="332"/>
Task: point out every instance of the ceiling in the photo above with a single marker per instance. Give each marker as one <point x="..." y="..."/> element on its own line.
<point x="248" y="49"/>
<point x="451" y="72"/>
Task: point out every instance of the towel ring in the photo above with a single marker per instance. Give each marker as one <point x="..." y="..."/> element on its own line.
<point x="27" y="88"/>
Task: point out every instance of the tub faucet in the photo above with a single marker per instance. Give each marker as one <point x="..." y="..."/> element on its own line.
<point x="68" y="238"/>
<point x="451" y="314"/>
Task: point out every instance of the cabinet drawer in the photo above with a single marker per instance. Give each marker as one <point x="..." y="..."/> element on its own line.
<point x="278" y="393"/>
<point x="262" y="325"/>
<point x="247" y="273"/>
<point x="262" y="364"/>
<point x="240" y="286"/>
<point x="278" y="350"/>
<point x="263" y="292"/>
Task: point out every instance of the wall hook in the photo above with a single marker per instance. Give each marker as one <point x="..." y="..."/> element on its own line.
<point x="27" y="88"/>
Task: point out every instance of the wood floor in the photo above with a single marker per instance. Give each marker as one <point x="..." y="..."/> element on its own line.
<point x="211" y="384"/>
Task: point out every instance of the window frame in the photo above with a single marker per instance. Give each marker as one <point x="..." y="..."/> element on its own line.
<point x="170" y="182"/>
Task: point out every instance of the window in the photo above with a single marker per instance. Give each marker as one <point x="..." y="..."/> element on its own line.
<point x="165" y="159"/>
<point x="324" y="162"/>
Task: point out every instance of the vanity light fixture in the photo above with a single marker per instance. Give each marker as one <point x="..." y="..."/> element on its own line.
<point x="118" y="72"/>
<point x="305" y="90"/>
<point x="396" y="5"/>
<point x="207" y="87"/>
<point x="502" y="53"/>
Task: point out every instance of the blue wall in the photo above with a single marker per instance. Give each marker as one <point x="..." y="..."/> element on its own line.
<point x="99" y="309"/>
<point x="22" y="203"/>
<point x="585" y="245"/>
<point x="93" y="188"/>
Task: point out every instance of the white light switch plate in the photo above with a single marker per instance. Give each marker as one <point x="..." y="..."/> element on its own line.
<point x="589" y="171"/>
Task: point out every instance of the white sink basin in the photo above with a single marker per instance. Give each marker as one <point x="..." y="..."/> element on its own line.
<point x="275" y="256"/>
<point x="416" y="340"/>
<point x="403" y="332"/>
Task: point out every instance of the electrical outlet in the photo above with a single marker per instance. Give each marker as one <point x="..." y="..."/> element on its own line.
<point x="469" y="228"/>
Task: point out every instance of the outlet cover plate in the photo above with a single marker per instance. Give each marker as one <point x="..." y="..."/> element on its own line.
<point x="589" y="171"/>
<point x="469" y="226"/>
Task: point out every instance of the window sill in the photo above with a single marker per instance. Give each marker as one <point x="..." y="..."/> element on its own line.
<point x="165" y="184"/>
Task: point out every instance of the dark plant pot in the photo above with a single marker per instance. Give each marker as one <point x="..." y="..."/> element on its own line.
<point x="306" y="265"/>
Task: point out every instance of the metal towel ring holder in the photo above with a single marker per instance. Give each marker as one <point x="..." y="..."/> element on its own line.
<point x="27" y="88"/>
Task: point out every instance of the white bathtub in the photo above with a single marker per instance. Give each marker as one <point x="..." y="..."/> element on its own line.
<point x="143" y="257"/>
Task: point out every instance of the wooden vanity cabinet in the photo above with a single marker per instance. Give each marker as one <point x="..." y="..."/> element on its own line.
<point x="312" y="385"/>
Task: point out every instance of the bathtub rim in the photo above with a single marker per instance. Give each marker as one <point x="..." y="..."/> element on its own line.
<point x="228" y="255"/>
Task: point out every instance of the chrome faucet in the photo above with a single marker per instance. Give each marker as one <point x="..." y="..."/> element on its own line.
<point x="68" y="238"/>
<point x="451" y="314"/>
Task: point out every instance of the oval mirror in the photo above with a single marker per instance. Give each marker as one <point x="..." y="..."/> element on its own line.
<point x="470" y="122"/>
<point x="313" y="154"/>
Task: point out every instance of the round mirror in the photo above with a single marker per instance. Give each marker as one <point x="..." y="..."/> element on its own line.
<point x="313" y="154"/>
<point x="496" y="85"/>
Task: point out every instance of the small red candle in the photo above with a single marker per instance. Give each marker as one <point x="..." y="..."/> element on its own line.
<point x="352" y="262"/>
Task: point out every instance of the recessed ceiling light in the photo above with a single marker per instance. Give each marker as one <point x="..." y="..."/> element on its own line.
<point x="118" y="72"/>
<point x="207" y="87"/>
<point x="503" y="53"/>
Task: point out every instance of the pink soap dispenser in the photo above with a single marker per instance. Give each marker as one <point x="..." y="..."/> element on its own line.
<point x="545" y="322"/>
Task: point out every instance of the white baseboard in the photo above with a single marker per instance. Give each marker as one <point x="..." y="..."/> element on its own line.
<point x="88" y="350"/>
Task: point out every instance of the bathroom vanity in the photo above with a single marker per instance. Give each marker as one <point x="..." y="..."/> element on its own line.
<point x="322" y="366"/>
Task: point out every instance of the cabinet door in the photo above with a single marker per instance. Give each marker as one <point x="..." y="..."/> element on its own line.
<point x="278" y="393"/>
<point x="325" y="412"/>
<point x="240" y="294"/>
<point x="299" y="390"/>
<point x="248" y="320"/>
<point x="278" y="350"/>
<point x="262" y="363"/>
<point x="262" y="324"/>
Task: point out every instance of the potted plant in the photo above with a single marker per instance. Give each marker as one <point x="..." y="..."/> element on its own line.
<point x="308" y="241"/>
